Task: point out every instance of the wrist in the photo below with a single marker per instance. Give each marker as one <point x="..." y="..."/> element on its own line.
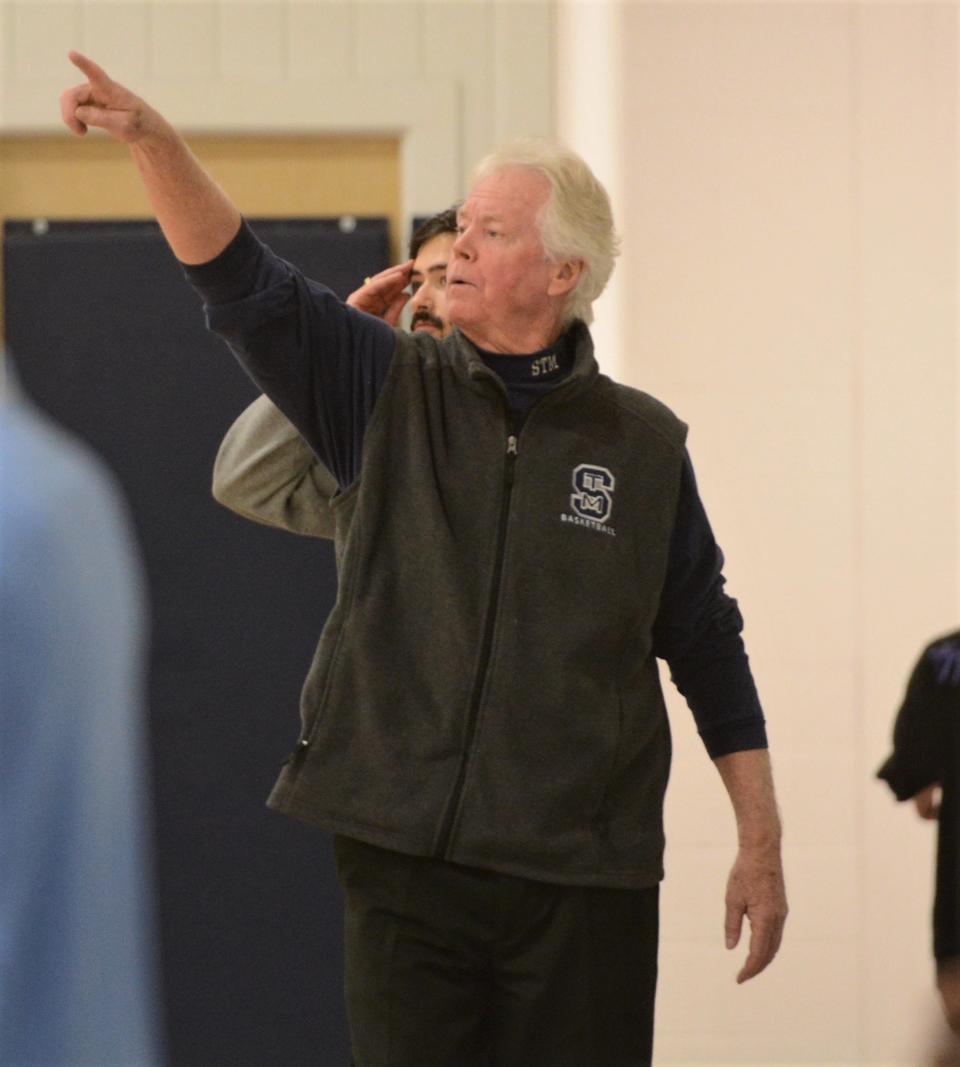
<point x="760" y="839"/>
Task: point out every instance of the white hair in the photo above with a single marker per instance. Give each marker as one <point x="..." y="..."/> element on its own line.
<point x="576" y="222"/>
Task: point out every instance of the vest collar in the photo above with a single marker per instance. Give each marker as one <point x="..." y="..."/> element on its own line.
<point x="470" y="366"/>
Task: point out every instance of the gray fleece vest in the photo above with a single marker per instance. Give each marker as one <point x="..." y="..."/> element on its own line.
<point x="485" y="689"/>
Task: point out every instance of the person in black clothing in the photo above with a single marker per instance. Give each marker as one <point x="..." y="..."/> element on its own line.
<point x="925" y="767"/>
<point x="518" y="540"/>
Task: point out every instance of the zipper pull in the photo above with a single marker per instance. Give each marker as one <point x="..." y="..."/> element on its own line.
<point x="511" y="445"/>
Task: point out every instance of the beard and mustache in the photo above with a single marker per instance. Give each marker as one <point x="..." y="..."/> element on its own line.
<point x="424" y="316"/>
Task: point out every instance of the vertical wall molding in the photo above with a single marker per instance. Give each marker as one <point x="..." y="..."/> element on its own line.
<point x="589" y="86"/>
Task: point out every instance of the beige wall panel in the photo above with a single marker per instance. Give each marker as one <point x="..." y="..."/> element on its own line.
<point x="116" y="34"/>
<point x="253" y="41"/>
<point x="56" y="178"/>
<point x="807" y="700"/>
<point x="791" y="239"/>
<point x="184" y="36"/>
<point x="821" y="905"/>
<point x="819" y="795"/>
<point x="522" y="68"/>
<point x="774" y="468"/>
<point x="794" y="286"/>
<point x="350" y="176"/>
<point x="446" y="28"/>
<point x="742" y="186"/>
<point x="273" y="177"/>
<point x="703" y="1017"/>
<point x="907" y="216"/>
<point x="269" y="175"/>
<point x="389" y="39"/>
<point x="39" y="35"/>
<point x="322" y="39"/>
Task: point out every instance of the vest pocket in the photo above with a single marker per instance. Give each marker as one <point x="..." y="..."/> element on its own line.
<point x="601" y="817"/>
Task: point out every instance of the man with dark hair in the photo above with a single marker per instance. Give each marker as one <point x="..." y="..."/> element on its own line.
<point x="424" y="273"/>
<point x="264" y="469"/>
<point x="434" y="226"/>
<point x="430" y="250"/>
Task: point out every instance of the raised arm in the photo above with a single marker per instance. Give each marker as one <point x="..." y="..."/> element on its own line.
<point x="321" y="363"/>
<point x="266" y="472"/>
<point x="196" y="216"/>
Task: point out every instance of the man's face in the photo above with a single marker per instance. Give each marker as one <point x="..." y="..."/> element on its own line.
<point x="499" y="282"/>
<point x="428" y="279"/>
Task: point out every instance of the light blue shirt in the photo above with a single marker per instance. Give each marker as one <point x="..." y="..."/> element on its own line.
<point x="78" y="983"/>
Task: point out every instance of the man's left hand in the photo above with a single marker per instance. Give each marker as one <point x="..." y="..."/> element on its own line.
<point x="755" y="889"/>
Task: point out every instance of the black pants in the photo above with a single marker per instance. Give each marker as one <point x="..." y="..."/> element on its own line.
<point x="450" y="966"/>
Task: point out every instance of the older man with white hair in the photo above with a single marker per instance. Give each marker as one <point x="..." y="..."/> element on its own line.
<point x="518" y="539"/>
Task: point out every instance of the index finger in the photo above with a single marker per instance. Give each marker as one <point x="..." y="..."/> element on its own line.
<point x="764" y="942"/>
<point x="94" y="73"/>
<point x="390" y="273"/>
<point x="391" y="278"/>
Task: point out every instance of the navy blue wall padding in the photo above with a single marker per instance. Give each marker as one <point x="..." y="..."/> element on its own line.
<point x="109" y="338"/>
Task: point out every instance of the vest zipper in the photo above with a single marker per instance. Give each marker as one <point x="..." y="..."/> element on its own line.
<point x="453" y="804"/>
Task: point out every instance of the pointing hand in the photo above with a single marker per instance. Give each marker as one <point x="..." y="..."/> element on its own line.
<point x="100" y="101"/>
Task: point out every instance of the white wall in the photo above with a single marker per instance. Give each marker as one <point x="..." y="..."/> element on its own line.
<point x="787" y="194"/>
<point x="451" y="77"/>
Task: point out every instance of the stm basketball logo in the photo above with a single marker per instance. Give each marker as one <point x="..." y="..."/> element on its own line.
<point x="592" y="498"/>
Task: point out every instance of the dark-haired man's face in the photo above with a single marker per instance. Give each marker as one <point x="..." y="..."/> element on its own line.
<point x="428" y="281"/>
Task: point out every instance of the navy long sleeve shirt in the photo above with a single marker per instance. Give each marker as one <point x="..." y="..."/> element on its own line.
<point x="323" y="364"/>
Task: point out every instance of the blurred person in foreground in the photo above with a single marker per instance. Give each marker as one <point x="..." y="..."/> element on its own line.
<point x="77" y="964"/>
<point x="925" y="767"/>
<point x="265" y="470"/>
<point x="518" y="539"/>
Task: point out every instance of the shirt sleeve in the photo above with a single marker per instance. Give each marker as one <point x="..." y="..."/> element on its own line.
<point x="919" y="733"/>
<point x="698" y="633"/>
<point x="321" y="362"/>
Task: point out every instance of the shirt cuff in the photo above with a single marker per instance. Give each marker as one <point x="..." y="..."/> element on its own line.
<point x="731" y="737"/>
<point x="231" y="275"/>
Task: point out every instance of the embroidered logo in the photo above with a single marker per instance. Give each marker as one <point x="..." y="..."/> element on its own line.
<point x="544" y="365"/>
<point x="592" y="498"/>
